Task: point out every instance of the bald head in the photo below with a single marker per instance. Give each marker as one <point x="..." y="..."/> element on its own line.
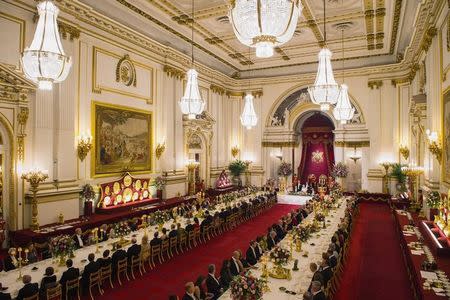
<point x="26" y="279"/>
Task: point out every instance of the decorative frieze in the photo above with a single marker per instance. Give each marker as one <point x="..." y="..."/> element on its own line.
<point x="174" y="72"/>
<point x="375" y="84"/>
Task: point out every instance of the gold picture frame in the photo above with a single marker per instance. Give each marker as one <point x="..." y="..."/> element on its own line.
<point x="122" y="140"/>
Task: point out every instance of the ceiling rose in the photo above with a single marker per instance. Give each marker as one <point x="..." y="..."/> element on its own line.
<point x="264" y="24"/>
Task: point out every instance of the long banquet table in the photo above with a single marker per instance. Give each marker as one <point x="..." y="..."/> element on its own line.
<point x="315" y="246"/>
<point x="9" y="279"/>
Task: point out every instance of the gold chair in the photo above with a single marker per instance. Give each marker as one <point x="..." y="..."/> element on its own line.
<point x="54" y="292"/>
<point x="106" y="274"/>
<point x="205" y="233"/>
<point x="182" y="241"/>
<point x="165" y="249"/>
<point x="95" y="281"/>
<point x="122" y="269"/>
<point x="135" y="263"/>
<point x="191" y="239"/>
<point x="174" y="245"/>
<point x="197" y="235"/>
<point x="34" y="297"/>
<point x="72" y="285"/>
<point x="155" y="252"/>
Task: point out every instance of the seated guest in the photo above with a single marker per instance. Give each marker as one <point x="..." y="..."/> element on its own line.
<point x="11" y="260"/>
<point x="250" y="255"/>
<point x="103" y="233"/>
<point x="236" y="266"/>
<point x="271" y="240"/>
<point x="90" y="268"/>
<point x="307" y="296"/>
<point x="32" y="254"/>
<point x="259" y="249"/>
<point x="105" y="260"/>
<point x="29" y="289"/>
<point x="156" y="240"/>
<point x="196" y="223"/>
<point x="164" y="234"/>
<point x="332" y="260"/>
<point x="225" y="274"/>
<point x="78" y="238"/>
<point x="316" y="291"/>
<point x="145" y="248"/>
<point x="48" y="281"/>
<point x="189" y="226"/>
<point x="133" y="225"/>
<point x="200" y="292"/>
<point x="326" y="271"/>
<point x="4" y="296"/>
<point x="133" y="251"/>
<point x="317" y="275"/>
<point x="336" y="244"/>
<point x="173" y="231"/>
<point x="70" y="274"/>
<point x="118" y="255"/>
<point x="189" y="291"/>
<point x="244" y="262"/>
<point x="91" y="240"/>
<point x="212" y="283"/>
<point x="180" y="231"/>
<point x="279" y="229"/>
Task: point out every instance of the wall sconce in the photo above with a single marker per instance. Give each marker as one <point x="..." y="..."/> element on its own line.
<point x="355" y="156"/>
<point x="34" y="177"/>
<point x="434" y="145"/>
<point x="235" y="151"/>
<point x="84" y="145"/>
<point x="404" y="151"/>
<point x="160" y="148"/>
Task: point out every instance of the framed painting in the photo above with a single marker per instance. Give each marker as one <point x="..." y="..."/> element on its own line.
<point x="122" y="140"/>
<point x="446" y="135"/>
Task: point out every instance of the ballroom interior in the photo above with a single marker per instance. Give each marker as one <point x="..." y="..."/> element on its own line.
<point x="116" y="113"/>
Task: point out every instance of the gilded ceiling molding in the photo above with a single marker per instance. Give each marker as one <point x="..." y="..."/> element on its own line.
<point x="349" y="144"/>
<point x="279" y="144"/>
<point x="395" y="24"/>
<point x="66" y="30"/>
<point x="398" y="81"/>
<point x="312" y="23"/>
<point x="375" y="84"/>
<point x="217" y="89"/>
<point x="380" y="14"/>
<point x="174" y="72"/>
<point x="369" y="15"/>
<point x="428" y="38"/>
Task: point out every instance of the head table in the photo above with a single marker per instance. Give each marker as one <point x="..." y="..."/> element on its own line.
<point x="315" y="246"/>
<point x="10" y="279"/>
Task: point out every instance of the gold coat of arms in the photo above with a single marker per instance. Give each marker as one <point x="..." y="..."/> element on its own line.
<point x="317" y="157"/>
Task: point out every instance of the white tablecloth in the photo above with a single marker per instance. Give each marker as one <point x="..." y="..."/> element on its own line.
<point x="9" y="279"/>
<point x="293" y="199"/>
<point x="301" y="279"/>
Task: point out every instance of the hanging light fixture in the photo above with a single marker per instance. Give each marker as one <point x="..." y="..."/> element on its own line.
<point x="325" y="90"/>
<point x="191" y="103"/>
<point x="343" y="111"/>
<point x="248" y="116"/>
<point x="264" y="24"/>
<point x="45" y="62"/>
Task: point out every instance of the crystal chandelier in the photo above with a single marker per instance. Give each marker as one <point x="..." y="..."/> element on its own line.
<point x="44" y="62"/>
<point x="325" y="90"/>
<point x="343" y="110"/>
<point x="191" y="103"/>
<point x="264" y="24"/>
<point x="248" y="116"/>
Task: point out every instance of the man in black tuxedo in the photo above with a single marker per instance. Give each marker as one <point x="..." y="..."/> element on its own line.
<point x="317" y="275"/>
<point x="78" y="238"/>
<point x="173" y="231"/>
<point x="102" y="233"/>
<point x="156" y="240"/>
<point x="70" y="274"/>
<point x="316" y="291"/>
<point x="189" y="226"/>
<point x="279" y="230"/>
<point x="235" y="264"/>
<point x="118" y="255"/>
<point x="212" y="283"/>
<point x="332" y="259"/>
<point x="250" y="255"/>
<point x="4" y="296"/>
<point x="90" y="268"/>
<point x="105" y="260"/>
<point x="29" y="289"/>
<point x="271" y="240"/>
<point x="326" y="271"/>
<point x="258" y="248"/>
<point x="133" y="251"/>
<point x="189" y="294"/>
<point x="207" y="221"/>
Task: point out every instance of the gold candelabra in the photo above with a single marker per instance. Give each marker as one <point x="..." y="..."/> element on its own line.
<point x="84" y="146"/>
<point x="34" y="178"/>
<point x="404" y="151"/>
<point x="386" y="165"/>
<point x="160" y="148"/>
<point x="434" y="144"/>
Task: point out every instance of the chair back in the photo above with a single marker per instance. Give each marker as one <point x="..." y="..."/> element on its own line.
<point x="182" y="238"/>
<point x="73" y="284"/>
<point x="173" y="241"/>
<point x="54" y="292"/>
<point x="34" y="297"/>
<point x="135" y="261"/>
<point x="94" y="278"/>
<point x="156" y="249"/>
<point x="165" y="245"/>
<point x="122" y="265"/>
<point x="105" y="272"/>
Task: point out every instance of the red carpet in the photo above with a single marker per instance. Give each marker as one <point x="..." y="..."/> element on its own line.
<point x="375" y="268"/>
<point x="170" y="277"/>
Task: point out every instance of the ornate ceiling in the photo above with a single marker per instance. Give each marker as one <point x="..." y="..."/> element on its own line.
<point x="373" y="34"/>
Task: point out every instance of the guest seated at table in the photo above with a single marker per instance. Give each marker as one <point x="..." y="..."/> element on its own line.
<point x="189" y="226"/>
<point x="332" y="259"/>
<point x="236" y="266"/>
<point x="173" y="231"/>
<point x="189" y="291"/>
<point x="48" y="281"/>
<point x="259" y="249"/>
<point x="105" y="260"/>
<point x="200" y="292"/>
<point x="316" y="291"/>
<point x="78" y="238"/>
<point x="180" y="231"/>
<point x="244" y="262"/>
<point x="133" y="251"/>
<point x="70" y="274"/>
<point x="164" y="234"/>
<point x="90" y="268"/>
<point x="196" y="223"/>
<point x="91" y="239"/>
<point x="119" y="254"/>
<point x="134" y="224"/>
<point x="225" y="274"/>
<point x="250" y="255"/>
<point x="335" y="242"/>
<point x="279" y="230"/>
<point x="4" y="296"/>
<point x="29" y="289"/>
<point x="156" y="240"/>
<point x="212" y="283"/>
<point x="271" y="240"/>
<point x="103" y="233"/>
<point x="11" y="260"/>
<point x="32" y="254"/>
<point x="317" y="275"/>
<point x="145" y="248"/>
<point x="307" y="296"/>
<point x="326" y="270"/>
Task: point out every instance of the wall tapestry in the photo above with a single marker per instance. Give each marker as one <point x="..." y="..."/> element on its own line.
<point x="122" y="140"/>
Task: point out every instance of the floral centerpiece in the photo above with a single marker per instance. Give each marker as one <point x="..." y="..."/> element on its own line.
<point x="121" y="230"/>
<point x="87" y="192"/>
<point x="433" y="199"/>
<point x="319" y="216"/>
<point x="159" y="218"/>
<point x="159" y="183"/>
<point x="62" y="246"/>
<point x="246" y="287"/>
<point x="340" y="170"/>
<point x="302" y="232"/>
<point x="280" y="256"/>
<point x="285" y="169"/>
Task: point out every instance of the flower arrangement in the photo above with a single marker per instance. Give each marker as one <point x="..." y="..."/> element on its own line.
<point x="159" y="217"/>
<point x="62" y="245"/>
<point x="121" y="229"/>
<point x="303" y="232"/>
<point x="319" y="217"/>
<point x="160" y="182"/>
<point x="284" y="169"/>
<point x="340" y="170"/>
<point x="328" y="202"/>
<point x="246" y="287"/>
<point x="280" y="256"/>
<point x="227" y="198"/>
<point x="433" y="199"/>
<point x="237" y="167"/>
<point x="87" y="192"/>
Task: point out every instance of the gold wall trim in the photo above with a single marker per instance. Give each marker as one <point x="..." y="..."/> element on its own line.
<point x="96" y="88"/>
<point x="395" y="24"/>
<point x="375" y="84"/>
<point x="174" y="72"/>
<point x="279" y="144"/>
<point x="350" y="144"/>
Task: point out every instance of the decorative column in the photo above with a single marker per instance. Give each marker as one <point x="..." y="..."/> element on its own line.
<point x="34" y="178"/>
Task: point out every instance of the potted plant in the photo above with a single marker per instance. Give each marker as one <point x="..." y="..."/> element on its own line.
<point x="236" y="168"/>
<point x="433" y="202"/>
<point x="284" y="170"/>
<point x="160" y="183"/>
<point x="399" y="174"/>
<point x="340" y="172"/>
